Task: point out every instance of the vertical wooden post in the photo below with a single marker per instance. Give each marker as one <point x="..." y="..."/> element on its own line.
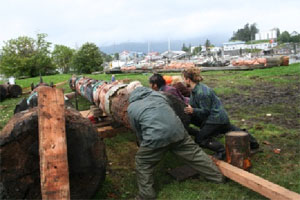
<point x="238" y="149"/>
<point x="54" y="169"/>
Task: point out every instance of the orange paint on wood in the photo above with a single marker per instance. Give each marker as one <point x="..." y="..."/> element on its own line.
<point x="52" y="144"/>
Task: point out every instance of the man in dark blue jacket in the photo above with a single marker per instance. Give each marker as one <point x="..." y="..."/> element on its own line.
<point x="159" y="130"/>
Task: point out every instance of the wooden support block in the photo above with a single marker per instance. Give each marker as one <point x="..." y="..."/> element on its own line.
<point x="256" y="183"/>
<point x="54" y="171"/>
<point x="86" y="113"/>
<point x="103" y="123"/>
<point x="70" y="95"/>
<point x="238" y="149"/>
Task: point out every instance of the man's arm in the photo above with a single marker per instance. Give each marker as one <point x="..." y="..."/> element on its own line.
<point x="202" y="108"/>
<point x="135" y="125"/>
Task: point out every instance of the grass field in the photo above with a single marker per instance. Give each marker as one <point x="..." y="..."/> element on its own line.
<point x="266" y="102"/>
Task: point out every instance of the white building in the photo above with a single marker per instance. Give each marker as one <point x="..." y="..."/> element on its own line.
<point x="116" y="64"/>
<point x="203" y="48"/>
<point x="215" y="49"/>
<point x="124" y="55"/>
<point x="236" y="45"/>
<point x="267" y="35"/>
<point x="263" y="46"/>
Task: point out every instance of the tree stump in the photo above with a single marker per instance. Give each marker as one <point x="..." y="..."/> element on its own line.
<point x="238" y="149"/>
<point x="20" y="168"/>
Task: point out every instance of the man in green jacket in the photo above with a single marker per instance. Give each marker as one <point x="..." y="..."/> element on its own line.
<point x="159" y="130"/>
<point x="209" y="114"/>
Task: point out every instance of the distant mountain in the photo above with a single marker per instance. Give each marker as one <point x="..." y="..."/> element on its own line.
<point x="162" y="46"/>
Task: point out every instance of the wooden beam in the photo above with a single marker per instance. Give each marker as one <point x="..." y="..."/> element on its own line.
<point x="60" y="83"/>
<point x="109" y="131"/>
<point x="256" y="183"/>
<point x="54" y="169"/>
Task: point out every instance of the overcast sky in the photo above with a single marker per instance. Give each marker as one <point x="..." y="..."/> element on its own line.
<point x="104" y="22"/>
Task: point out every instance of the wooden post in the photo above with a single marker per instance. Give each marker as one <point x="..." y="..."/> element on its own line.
<point x="238" y="149"/>
<point x="255" y="183"/>
<point x="54" y="170"/>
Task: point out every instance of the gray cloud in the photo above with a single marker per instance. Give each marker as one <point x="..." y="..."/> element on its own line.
<point x="74" y="22"/>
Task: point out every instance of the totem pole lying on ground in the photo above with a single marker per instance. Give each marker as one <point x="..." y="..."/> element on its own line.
<point x="112" y="98"/>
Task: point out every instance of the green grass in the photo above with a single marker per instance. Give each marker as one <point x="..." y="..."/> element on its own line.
<point x="24" y="83"/>
<point x="257" y="41"/>
<point x="278" y="131"/>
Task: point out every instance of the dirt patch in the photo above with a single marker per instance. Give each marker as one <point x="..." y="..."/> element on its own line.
<point x="264" y="95"/>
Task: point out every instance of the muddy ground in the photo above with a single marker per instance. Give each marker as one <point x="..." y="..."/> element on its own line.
<point x="266" y="95"/>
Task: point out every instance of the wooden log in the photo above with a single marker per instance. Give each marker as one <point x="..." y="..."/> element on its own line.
<point x="20" y="169"/>
<point x="256" y="183"/>
<point x="14" y="91"/>
<point x="238" y="149"/>
<point x="54" y="169"/>
<point x="119" y="104"/>
<point x="3" y="92"/>
<point x="7" y="90"/>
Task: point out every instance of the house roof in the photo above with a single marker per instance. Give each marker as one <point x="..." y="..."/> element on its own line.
<point x="234" y="43"/>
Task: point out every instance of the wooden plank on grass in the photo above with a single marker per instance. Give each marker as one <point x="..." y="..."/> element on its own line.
<point x="60" y="84"/>
<point x="256" y="183"/>
<point x="52" y="144"/>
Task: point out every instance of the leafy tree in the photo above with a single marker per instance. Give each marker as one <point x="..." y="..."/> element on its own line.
<point x="197" y="50"/>
<point x="295" y="38"/>
<point x="207" y="44"/>
<point x="26" y="56"/>
<point x="62" y="57"/>
<point x="116" y="56"/>
<point x="106" y="57"/>
<point x="284" y="37"/>
<point x="245" y="34"/>
<point x="277" y="32"/>
<point x="88" y="59"/>
<point x="184" y="48"/>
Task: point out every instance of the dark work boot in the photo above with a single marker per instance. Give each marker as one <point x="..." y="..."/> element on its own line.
<point x="253" y="142"/>
<point x="216" y="147"/>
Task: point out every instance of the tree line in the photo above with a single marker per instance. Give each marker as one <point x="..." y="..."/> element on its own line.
<point x="26" y="56"/>
<point x="247" y="33"/>
<point x="197" y="50"/>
